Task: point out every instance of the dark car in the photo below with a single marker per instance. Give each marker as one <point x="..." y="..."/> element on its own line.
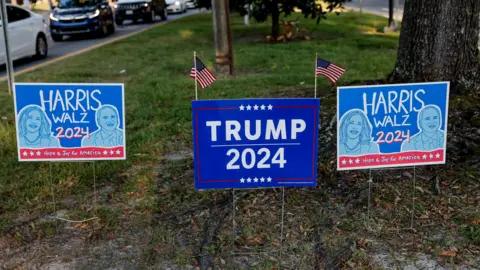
<point x="135" y="10"/>
<point x="73" y="17"/>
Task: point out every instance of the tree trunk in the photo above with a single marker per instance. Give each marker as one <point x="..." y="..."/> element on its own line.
<point x="223" y="37"/>
<point x="438" y="42"/>
<point x="275" y="19"/>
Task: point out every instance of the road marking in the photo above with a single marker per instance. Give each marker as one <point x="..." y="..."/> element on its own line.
<point x="95" y="46"/>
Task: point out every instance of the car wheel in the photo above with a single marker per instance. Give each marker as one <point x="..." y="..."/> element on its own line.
<point x="111" y="28"/>
<point x="164" y="14"/>
<point x="41" y="47"/>
<point x="103" y="29"/>
<point x="119" y="22"/>
<point x="57" y="38"/>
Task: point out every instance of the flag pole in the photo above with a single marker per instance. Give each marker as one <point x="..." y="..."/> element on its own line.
<point x="316" y="57"/>
<point x="195" y="66"/>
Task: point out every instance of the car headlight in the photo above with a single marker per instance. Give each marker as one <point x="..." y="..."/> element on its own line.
<point x="115" y="6"/>
<point x="94" y="14"/>
<point x="53" y="18"/>
<point x="177" y="3"/>
<point x="145" y="5"/>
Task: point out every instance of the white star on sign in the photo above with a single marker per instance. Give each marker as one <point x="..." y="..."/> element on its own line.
<point x="242" y="180"/>
<point x="357" y="161"/>
<point x="105" y="152"/>
<point x="350" y="161"/>
<point x="242" y="107"/>
<point x="344" y="162"/>
<point x="25" y="154"/>
<point x="262" y="179"/>
<point x="38" y="153"/>
<point x="249" y="179"/>
<point x="255" y="179"/>
<point x="269" y="179"/>
<point x="270" y="107"/>
<point x="249" y="107"/>
<point x="32" y="154"/>
<point x="118" y="152"/>
<point x="431" y="156"/>
<point x="111" y="152"/>
<point x="437" y="155"/>
<point x="262" y="107"/>
<point x="255" y="107"/>
<point x="424" y="156"/>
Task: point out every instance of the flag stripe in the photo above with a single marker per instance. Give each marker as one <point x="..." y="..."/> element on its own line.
<point x="329" y="72"/>
<point x="326" y="73"/>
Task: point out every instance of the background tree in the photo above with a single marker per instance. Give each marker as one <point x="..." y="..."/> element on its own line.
<point x="262" y="9"/>
<point x="439" y="42"/>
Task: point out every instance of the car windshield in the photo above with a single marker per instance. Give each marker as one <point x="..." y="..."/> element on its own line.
<point x="77" y="3"/>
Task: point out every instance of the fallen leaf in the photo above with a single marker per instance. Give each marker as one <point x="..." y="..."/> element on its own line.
<point x="222" y="261"/>
<point x="276" y="244"/>
<point x="81" y="225"/>
<point x="448" y="253"/>
<point x="476" y="221"/>
<point x="420" y="189"/>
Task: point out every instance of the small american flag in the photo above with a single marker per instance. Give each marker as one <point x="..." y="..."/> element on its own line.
<point x="204" y="76"/>
<point x="329" y="70"/>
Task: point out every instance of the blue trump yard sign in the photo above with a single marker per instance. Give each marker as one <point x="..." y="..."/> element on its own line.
<point x="249" y="143"/>
<point x="392" y="125"/>
<point x="61" y="122"/>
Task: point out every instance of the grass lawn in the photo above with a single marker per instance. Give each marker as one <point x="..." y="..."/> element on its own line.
<point x="159" y="91"/>
<point x="156" y="181"/>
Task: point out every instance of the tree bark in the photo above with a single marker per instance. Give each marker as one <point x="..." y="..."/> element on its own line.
<point x="439" y="42"/>
<point x="275" y="19"/>
<point x="223" y="37"/>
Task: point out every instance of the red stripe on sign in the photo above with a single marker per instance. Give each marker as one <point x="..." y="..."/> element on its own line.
<point x="391" y="160"/>
<point x="74" y="153"/>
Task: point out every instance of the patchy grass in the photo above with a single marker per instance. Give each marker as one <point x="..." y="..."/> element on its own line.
<point x="149" y="213"/>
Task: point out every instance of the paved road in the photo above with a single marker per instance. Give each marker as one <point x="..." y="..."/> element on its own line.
<point x="70" y="47"/>
<point x="379" y="7"/>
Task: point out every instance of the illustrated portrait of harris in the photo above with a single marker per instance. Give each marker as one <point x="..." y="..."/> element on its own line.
<point x="355" y="135"/>
<point x="430" y="137"/>
<point x="108" y="133"/>
<point x="34" y="129"/>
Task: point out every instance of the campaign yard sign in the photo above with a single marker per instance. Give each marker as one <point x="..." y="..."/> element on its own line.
<point x="251" y="143"/>
<point x="392" y="125"/>
<point x="70" y="122"/>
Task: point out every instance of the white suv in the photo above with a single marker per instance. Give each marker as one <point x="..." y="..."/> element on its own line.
<point x="27" y="34"/>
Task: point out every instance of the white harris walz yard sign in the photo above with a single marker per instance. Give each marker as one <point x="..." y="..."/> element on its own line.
<point x="392" y="125"/>
<point x="70" y="122"/>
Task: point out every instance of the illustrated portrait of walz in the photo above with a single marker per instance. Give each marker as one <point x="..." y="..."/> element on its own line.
<point x="34" y="129"/>
<point x="108" y="133"/>
<point x="355" y="134"/>
<point x="430" y="137"/>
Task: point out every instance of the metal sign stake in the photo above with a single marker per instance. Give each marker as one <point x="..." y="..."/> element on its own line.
<point x="370" y="181"/>
<point x="53" y="196"/>
<point x="412" y="224"/>
<point x="8" y="58"/>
